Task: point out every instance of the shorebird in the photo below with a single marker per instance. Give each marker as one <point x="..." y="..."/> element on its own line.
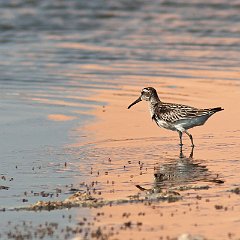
<point x="172" y="116"/>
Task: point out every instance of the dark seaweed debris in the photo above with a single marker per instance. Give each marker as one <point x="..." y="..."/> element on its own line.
<point x="235" y="190"/>
<point x="4" y="187"/>
<point x="83" y="199"/>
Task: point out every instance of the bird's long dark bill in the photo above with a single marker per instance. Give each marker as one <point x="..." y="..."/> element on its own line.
<point x="138" y="100"/>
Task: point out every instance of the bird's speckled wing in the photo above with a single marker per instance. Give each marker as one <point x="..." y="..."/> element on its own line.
<point x="170" y="112"/>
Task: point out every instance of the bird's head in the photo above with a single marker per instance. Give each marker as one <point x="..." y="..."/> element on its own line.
<point x="147" y="94"/>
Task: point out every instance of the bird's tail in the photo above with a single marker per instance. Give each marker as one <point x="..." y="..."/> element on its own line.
<point x="214" y="110"/>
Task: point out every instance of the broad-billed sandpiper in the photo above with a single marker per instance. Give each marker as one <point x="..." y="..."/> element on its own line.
<point x="175" y="117"/>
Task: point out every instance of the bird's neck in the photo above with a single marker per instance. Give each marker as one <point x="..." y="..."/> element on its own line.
<point x="152" y="103"/>
<point x="154" y="99"/>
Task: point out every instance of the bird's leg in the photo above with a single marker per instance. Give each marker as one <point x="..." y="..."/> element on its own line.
<point x="191" y="138"/>
<point x="181" y="152"/>
<point x="180" y="137"/>
<point x="191" y="154"/>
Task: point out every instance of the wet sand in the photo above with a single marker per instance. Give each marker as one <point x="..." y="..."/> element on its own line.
<point x="129" y="137"/>
<point x="124" y="148"/>
<point x="69" y="69"/>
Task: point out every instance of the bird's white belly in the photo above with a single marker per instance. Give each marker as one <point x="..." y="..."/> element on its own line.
<point x="166" y="125"/>
<point x="183" y="125"/>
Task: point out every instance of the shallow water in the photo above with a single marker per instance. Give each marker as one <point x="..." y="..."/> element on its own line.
<point x="68" y="72"/>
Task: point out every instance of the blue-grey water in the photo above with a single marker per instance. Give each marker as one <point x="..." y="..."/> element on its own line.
<point x="55" y="56"/>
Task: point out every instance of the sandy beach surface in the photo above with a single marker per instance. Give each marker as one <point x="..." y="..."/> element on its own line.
<point x="123" y="148"/>
<point x="75" y="163"/>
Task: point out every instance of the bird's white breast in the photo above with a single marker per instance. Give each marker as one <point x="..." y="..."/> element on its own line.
<point x="163" y="124"/>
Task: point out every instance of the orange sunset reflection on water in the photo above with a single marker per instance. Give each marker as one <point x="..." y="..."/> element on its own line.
<point x="69" y="71"/>
<point x="129" y="149"/>
<point x="60" y="117"/>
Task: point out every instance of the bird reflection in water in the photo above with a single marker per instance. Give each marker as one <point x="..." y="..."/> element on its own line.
<point x="183" y="170"/>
